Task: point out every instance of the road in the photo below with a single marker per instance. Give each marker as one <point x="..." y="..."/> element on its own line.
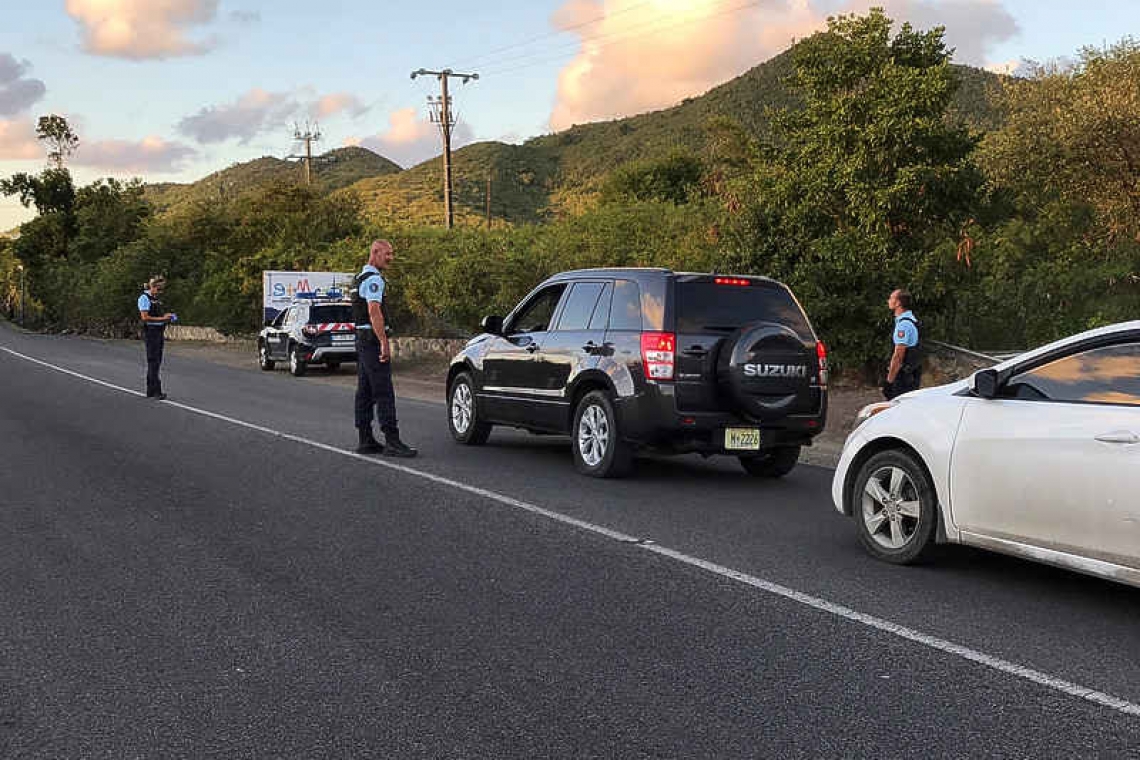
<point x="218" y="576"/>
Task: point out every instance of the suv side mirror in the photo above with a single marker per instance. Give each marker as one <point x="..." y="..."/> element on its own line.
<point x="492" y="325"/>
<point x="984" y="383"/>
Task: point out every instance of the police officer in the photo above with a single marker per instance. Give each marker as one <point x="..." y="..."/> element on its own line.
<point x="374" y="357"/>
<point x="155" y="319"/>
<point x="905" y="371"/>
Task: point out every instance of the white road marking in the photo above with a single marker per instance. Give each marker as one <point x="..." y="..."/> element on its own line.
<point x="933" y="642"/>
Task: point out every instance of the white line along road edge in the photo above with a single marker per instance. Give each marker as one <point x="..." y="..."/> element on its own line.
<point x="933" y="642"/>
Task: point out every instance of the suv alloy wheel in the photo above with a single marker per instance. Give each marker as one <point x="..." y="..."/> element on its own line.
<point x="263" y="359"/>
<point x="462" y="413"/>
<point x="599" y="450"/>
<point x="297" y="366"/>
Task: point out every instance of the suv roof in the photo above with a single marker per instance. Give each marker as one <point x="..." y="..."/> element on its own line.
<point x="638" y="272"/>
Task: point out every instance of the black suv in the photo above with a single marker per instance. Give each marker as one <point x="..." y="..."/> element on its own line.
<point x="311" y="330"/>
<point x="628" y="360"/>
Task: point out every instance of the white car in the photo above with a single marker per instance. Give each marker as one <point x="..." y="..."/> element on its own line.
<point x="1038" y="457"/>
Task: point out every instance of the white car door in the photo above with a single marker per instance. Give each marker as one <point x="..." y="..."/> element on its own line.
<point x="1054" y="462"/>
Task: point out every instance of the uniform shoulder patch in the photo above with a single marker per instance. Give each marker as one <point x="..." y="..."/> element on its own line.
<point x="902" y="333"/>
<point x="373" y="288"/>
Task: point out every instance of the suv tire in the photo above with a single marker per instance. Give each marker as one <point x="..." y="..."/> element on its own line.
<point x="263" y="359"/>
<point x="297" y="365"/>
<point x="599" y="450"/>
<point x="895" y="507"/>
<point x="463" y="413"/>
<point x="774" y="464"/>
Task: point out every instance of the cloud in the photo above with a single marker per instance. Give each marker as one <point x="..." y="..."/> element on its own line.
<point x="251" y="114"/>
<point x="411" y="138"/>
<point x="151" y="155"/>
<point x="140" y="29"/>
<point x="338" y="102"/>
<point x="259" y="111"/>
<point x="17" y="92"/>
<point x="695" y="45"/>
<point x="18" y="141"/>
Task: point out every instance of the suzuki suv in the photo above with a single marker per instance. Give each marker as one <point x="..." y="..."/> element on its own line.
<point x="648" y="360"/>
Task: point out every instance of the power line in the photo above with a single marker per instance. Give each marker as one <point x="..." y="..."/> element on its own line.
<point x="616" y="38"/>
<point x="491" y="53"/>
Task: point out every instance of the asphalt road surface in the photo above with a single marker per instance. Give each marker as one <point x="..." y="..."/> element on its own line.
<point x="218" y="576"/>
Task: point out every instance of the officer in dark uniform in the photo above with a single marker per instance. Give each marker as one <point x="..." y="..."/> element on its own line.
<point x="374" y="357"/>
<point x="905" y="371"/>
<point x="155" y="319"/>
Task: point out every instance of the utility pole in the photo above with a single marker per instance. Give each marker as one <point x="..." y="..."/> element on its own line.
<point x="445" y="118"/>
<point x="488" y="201"/>
<point x="310" y="135"/>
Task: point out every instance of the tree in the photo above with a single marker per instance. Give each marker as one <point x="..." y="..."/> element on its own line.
<point x="57" y="133"/>
<point x="868" y="185"/>
<point x="1073" y="135"/>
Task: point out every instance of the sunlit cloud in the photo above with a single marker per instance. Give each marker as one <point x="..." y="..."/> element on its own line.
<point x="336" y="103"/>
<point x="18" y="141"/>
<point x="149" y="155"/>
<point x="646" y="56"/>
<point x="141" y="29"/>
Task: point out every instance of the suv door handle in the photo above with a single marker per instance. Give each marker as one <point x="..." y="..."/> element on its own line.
<point x="1119" y="436"/>
<point x="593" y="348"/>
<point x="532" y="348"/>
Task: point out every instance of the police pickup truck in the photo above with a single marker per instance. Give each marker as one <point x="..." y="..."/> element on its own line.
<point x="316" y="328"/>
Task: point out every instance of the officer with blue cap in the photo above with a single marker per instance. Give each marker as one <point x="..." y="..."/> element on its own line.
<point x="155" y="319"/>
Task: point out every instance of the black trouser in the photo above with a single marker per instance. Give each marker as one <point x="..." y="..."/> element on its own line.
<point x="905" y="382"/>
<point x="374" y="388"/>
<point x="155" y="339"/>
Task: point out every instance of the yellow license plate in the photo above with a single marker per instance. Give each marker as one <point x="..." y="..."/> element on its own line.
<point x="742" y="439"/>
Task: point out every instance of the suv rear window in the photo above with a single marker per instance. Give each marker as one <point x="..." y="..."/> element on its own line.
<point x="705" y="306"/>
<point x="319" y="315"/>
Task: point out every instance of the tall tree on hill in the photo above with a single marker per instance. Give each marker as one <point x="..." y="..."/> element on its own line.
<point x="57" y="133"/>
<point x="868" y="185"/>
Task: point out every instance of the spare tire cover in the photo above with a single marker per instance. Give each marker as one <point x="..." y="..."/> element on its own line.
<point x="765" y="370"/>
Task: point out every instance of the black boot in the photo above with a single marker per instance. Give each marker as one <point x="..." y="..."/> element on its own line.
<point x="397" y="448"/>
<point x="367" y="443"/>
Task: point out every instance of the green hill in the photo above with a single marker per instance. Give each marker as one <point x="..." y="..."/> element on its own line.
<point x="549" y="175"/>
<point x="331" y="171"/>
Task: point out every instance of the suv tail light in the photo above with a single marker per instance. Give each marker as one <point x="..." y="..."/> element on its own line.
<point x="732" y="281"/>
<point x="821" y="352"/>
<point x="310" y="330"/>
<point x="658" y="352"/>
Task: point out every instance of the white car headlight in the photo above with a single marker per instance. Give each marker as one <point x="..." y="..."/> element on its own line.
<point x="870" y="410"/>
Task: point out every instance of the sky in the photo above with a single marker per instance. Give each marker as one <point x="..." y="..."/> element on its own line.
<point x="171" y="90"/>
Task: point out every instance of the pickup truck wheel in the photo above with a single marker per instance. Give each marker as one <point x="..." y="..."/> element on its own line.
<point x="263" y="359"/>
